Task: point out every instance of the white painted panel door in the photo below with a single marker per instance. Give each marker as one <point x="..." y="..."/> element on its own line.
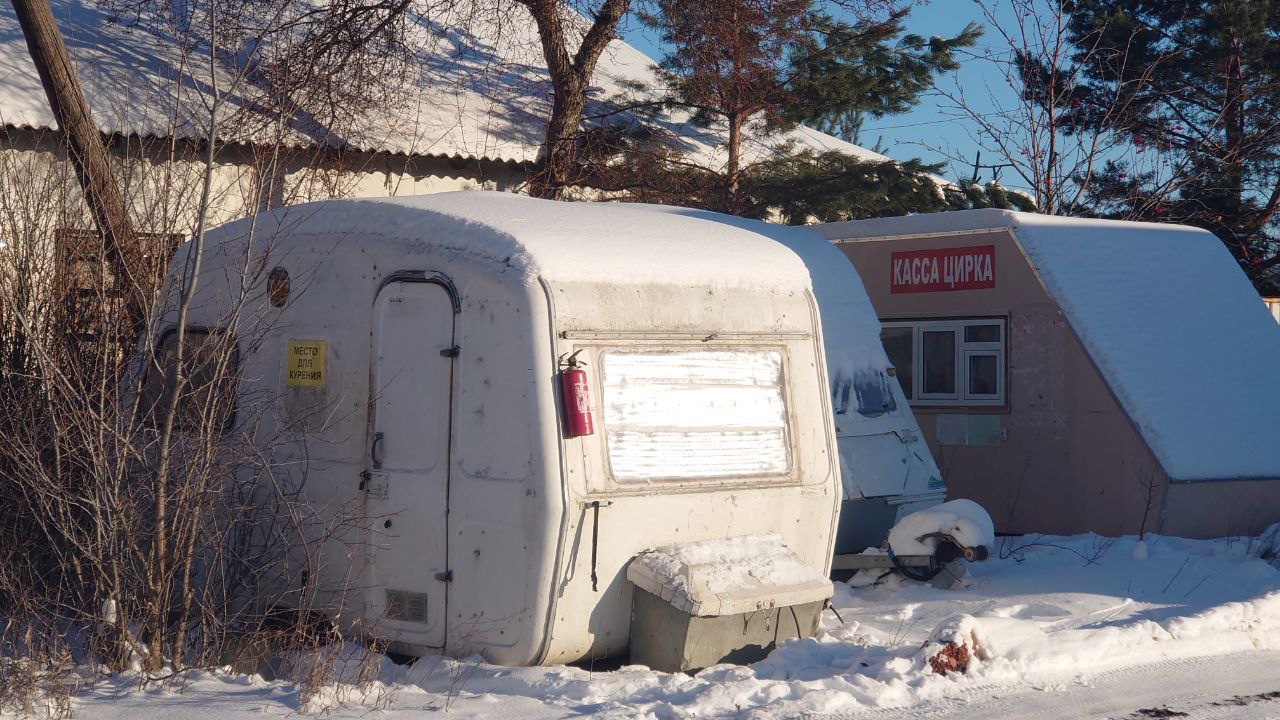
<point x="407" y="492"/>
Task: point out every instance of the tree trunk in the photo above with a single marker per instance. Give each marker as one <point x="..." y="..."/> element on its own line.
<point x="556" y="166"/>
<point x="571" y="77"/>
<point x="1233" y="124"/>
<point x="88" y="154"/>
<point x="733" y="168"/>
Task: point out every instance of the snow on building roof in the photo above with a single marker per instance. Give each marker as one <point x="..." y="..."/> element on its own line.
<point x="481" y="92"/>
<point x="618" y="243"/>
<point x="1171" y="322"/>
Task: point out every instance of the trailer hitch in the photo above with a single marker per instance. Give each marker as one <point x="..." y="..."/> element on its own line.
<point x="949" y="549"/>
<point x="946" y="550"/>
<point x="923" y="568"/>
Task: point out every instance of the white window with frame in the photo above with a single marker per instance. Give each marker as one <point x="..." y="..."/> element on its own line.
<point x="695" y="414"/>
<point x="957" y="362"/>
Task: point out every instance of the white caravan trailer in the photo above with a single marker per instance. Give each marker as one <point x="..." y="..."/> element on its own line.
<point x="521" y="396"/>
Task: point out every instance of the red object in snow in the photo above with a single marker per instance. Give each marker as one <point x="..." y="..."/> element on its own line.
<point x="951" y="658"/>
<point x="577" y="405"/>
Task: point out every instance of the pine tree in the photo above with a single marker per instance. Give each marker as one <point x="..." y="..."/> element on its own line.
<point x="757" y="68"/>
<point x="1207" y="108"/>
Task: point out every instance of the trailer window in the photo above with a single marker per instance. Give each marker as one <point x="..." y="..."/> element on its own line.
<point x="875" y="395"/>
<point x="210" y="363"/>
<point x="949" y="362"/>
<point x="695" y="415"/>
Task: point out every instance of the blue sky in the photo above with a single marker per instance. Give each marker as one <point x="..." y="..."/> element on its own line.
<point x="935" y="130"/>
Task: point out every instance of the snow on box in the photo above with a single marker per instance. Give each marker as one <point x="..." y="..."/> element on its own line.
<point x="1171" y="322"/>
<point x="729" y="576"/>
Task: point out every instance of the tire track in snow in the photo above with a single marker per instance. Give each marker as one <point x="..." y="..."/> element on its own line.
<point x="1188" y="684"/>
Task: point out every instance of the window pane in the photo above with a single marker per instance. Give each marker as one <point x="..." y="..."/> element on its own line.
<point x="983" y="375"/>
<point x="938" y="353"/>
<point x="875" y="396"/>
<point x="982" y="333"/>
<point x="897" y="343"/>
<point x="699" y="414"/>
<point x="210" y="363"/>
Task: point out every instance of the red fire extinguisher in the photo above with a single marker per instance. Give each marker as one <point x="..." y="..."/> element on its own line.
<point x="577" y="401"/>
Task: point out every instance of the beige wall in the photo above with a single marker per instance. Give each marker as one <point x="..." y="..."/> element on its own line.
<point x="1068" y="459"/>
<point x="162" y="183"/>
<point x="1221" y="508"/>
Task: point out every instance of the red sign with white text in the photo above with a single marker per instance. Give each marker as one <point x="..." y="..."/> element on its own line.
<point x="943" y="270"/>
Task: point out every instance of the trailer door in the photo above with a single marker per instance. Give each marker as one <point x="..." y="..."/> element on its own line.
<point x="408" y="481"/>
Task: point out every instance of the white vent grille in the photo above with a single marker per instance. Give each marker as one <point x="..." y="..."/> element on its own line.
<point x="407" y="606"/>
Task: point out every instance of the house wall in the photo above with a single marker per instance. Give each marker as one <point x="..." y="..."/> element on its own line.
<point x="1220" y="508"/>
<point x="162" y="182"/>
<point x="1066" y="458"/>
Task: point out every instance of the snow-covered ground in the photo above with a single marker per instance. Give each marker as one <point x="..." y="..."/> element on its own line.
<point x="1061" y="627"/>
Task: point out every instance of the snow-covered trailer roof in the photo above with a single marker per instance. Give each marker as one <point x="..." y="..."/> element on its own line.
<point x="1172" y="324"/>
<point x="528" y="239"/>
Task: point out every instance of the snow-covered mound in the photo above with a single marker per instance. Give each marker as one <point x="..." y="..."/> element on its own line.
<point x="964" y="520"/>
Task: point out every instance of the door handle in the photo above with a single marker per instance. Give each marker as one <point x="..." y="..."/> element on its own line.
<point x="376" y="450"/>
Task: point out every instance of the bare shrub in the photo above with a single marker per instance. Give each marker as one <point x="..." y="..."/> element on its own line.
<point x="1038" y="135"/>
<point x="146" y="522"/>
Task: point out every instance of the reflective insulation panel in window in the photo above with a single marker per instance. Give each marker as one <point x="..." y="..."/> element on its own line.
<point x="696" y="414"/>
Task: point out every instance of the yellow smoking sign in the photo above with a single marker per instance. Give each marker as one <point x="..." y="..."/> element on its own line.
<point x="305" y="363"/>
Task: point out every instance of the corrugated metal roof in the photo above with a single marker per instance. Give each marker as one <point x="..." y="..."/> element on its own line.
<point x="481" y="94"/>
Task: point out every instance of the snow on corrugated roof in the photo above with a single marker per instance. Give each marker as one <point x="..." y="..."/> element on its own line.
<point x="618" y="243"/>
<point x="477" y="93"/>
<point x="1171" y="321"/>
